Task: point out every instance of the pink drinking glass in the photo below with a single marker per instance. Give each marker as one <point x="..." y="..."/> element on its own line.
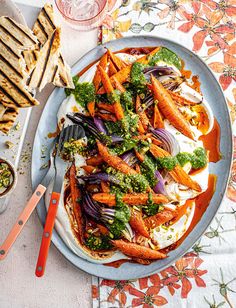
<point x="83" y="15"/>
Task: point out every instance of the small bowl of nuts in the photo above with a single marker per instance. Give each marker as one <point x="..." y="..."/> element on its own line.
<point x="7" y="180"/>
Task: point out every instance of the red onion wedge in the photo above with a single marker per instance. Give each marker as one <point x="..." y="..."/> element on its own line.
<point x="169" y="143"/>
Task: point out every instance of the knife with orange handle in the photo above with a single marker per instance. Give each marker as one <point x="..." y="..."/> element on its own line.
<point x="21" y="221"/>
<point x="29" y="208"/>
<point x="47" y="234"/>
<point x="72" y="132"/>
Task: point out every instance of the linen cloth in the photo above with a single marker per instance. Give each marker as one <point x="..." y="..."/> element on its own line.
<point x="206" y="275"/>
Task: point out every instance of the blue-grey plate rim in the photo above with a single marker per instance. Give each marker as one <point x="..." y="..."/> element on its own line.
<point x="220" y="110"/>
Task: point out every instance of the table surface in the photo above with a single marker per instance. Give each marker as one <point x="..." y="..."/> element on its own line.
<point x="63" y="284"/>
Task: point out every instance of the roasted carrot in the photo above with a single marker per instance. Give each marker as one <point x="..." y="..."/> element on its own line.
<point x="91" y="108"/>
<point x="118" y="85"/>
<point x="139" y="156"/>
<point x="131" y="199"/>
<point x="156" y="141"/>
<point x="103" y="230"/>
<point x="135" y="250"/>
<point x="137" y="168"/>
<point x="113" y="160"/>
<point x="97" y="77"/>
<point x="178" y="173"/>
<point x="119" y="64"/>
<point x="119" y="112"/>
<point x="94" y="161"/>
<point x="140" y="127"/>
<point x="137" y="223"/>
<point x="75" y="196"/>
<point x="107" y="116"/>
<point x="123" y="74"/>
<point x="111" y="69"/>
<point x="89" y="169"/>
<point x="106" y="107"/>
<point x="105" y="187"/>
<point x="159" y="219"/>
<point x="157" y="119"/>
<point x="109" y="89"/>
<point x="142" y="115"/>
<point x="105" y="80"/>
<point x="169" y="109"/>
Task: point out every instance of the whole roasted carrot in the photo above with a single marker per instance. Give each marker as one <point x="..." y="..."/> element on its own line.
<point x="105" y="80"/>
<point x="131" y="199"/>
<point x="113" y="160"/>
<point x="97" y="78"/>
<point x="178" y="173"/>
<point x="109" y="89"/>
<point x="137" y="223"/>
<point x="75" y="196"/>
<point x="169" y="110"/>
<point x="159" y="219"/>
<point x="137" y="251"/>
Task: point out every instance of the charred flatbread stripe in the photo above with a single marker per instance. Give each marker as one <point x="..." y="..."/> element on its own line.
<point x="54" y="74"/>
<point x="8" y="95"/>
<point x="9" y="49"/>
<point x="42" y="28"/>
<point x="61" y="59"/>
<point x="47" y="57"/>
<point x="11" y="66"/>
<point x="26" y="95"/>
<point x="48" y="18"/>
<point x="21" y="30"/>
<point x="11" y="35"/>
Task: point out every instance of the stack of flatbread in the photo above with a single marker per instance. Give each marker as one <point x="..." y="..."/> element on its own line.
<point x="28" y="61"/>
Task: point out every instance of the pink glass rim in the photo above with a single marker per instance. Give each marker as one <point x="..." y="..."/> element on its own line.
<point x="105" y="2"/>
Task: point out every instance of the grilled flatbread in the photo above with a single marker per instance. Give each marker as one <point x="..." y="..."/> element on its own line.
<point x="43" y="29"/>
<point x="7" y="119"/>
<point x="44" y="70"/>
<point x="31" y="58"/>
<point x="13" y="94"/>
<point x="44" y="25"/>
<point x="17" y="36"/>
<point x="12" y="60"/>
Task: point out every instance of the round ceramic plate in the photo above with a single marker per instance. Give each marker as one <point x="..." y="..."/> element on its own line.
<point x="212" y="93"/>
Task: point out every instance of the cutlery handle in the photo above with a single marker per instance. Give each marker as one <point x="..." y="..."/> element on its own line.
<point x="21" y="221"/>
<point x="47" y="234"/>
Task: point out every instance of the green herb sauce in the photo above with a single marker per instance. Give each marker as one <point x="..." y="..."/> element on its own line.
<point x="198" y="159"/>
<point x="148" y="168"/>
<point x="83" y="92"/>
<point x="98" y="243"/>
<point x="167" y="163"/>
<point x="137" y="77"/>
<point x="167" y="56"/>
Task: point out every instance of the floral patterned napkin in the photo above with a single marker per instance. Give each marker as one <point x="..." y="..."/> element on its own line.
<point x="206" y="275"/>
